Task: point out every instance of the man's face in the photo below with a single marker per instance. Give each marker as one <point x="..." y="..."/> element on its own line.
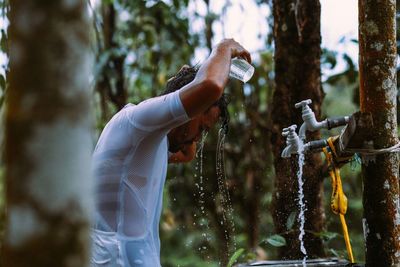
<point x="190" y="132"/>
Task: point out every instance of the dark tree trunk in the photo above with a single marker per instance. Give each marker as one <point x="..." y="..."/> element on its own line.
<point x="48" y="135"/>
<point x="253" y="192"/>
<point x="112" y="83"/>
<point x="378" y="93"/>
<point x="209" y="20"/>
<point x="298" y="77"/>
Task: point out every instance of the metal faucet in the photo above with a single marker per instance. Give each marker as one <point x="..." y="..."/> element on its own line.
<point x="310" y="122"/>
<point x="293" y="142"/>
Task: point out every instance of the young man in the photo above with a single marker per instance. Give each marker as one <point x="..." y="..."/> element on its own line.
<point x="131" y="156"/>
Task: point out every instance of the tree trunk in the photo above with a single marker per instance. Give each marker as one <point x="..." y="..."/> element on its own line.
<point x="112" y="86"/>
<point x="253" y="185"/>
<point x="377" y="40"/>
<point x="298" y="77"/>
<point x="48" y="135"/>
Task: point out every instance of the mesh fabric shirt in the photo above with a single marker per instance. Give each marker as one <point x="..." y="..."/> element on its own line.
<point x="130" y="165"/>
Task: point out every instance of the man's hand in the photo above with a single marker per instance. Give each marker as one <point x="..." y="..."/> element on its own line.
<point x="186" y="154"/>
<point x="236" y="50"/>
<point x="210" y="81"/>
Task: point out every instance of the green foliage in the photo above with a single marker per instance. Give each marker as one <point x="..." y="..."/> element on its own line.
<point x="291" y="220"/>
<point x="235" y="257"/>
<point x="157" y="37"/>
<point x="150" y="39"/>
<point x="327" y="236"/>
<point x="276" y="240"/>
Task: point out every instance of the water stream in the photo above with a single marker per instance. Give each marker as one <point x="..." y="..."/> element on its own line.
<point x="302" y="205"/>
<point x="224" y="196"/>
<point x="202" y="218"/>
<point x="226" y="203"/>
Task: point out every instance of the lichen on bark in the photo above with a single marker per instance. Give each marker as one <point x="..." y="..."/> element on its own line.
<point x="378" y="95"/>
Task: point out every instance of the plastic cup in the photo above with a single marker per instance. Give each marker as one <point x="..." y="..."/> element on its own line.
<point x="241" y="70"/>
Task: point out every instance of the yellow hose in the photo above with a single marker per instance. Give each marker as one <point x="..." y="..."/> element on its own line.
<point x="346" y="238"/>
<point x="338" y="198"/>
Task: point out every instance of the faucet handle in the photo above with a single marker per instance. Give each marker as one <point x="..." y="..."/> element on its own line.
<point x="291" y="128"/>
<point x="303" y="103"/>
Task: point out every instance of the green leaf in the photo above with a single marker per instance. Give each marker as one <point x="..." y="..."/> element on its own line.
<point x="334" y="252"/>
<point x="276" y="240"/>
<point x="290" y="220"/>
<point x="234" y="257"/>
<point x="327" y="235"/>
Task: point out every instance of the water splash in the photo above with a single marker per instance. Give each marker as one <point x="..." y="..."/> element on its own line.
<point x="227" y="209"/>
<point x="302" y="205"/>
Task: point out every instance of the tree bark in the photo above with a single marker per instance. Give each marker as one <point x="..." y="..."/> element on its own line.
<point x="48" y="135"/>
<point x="377" y="43"/>
<point x="298" y="77"/>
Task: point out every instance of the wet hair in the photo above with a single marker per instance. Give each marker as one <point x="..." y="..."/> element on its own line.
<point x="187" y="75"/>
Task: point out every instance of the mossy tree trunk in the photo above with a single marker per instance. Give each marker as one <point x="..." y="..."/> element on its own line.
<point x="377" y="40"/>
<point x="298" y="77"/>
<point x="48" y="135"/>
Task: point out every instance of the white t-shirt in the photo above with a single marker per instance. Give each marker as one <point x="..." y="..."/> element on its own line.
<point x="130" y="165"/>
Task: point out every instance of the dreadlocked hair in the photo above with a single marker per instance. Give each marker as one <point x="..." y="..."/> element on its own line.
<point x="183" y="77"/>
<point x="187" y="75"/>
<point x="222" y="103"/>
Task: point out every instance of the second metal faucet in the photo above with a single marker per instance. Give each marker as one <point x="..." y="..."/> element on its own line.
<point x="311" y="123"/>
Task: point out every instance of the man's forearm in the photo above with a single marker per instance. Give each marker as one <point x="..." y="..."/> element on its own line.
<point x="216" y="67"/>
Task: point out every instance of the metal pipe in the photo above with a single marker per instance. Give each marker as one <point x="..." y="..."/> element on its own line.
<point x="315" y="145"/>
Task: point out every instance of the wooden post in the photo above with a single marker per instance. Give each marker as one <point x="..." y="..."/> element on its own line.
<point x="377" y="43"/>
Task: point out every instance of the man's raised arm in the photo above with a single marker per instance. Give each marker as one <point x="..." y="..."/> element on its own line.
<point x="210" y="81"/>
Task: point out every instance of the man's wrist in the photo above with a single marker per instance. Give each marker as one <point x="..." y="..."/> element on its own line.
<point x="222" y="49"/>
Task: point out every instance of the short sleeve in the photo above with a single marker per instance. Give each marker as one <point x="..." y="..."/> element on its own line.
<point x="159" y="113"/>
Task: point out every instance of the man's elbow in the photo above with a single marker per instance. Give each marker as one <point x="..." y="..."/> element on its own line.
<point x="214" y="88"/>
<point x="200" y="95"/>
